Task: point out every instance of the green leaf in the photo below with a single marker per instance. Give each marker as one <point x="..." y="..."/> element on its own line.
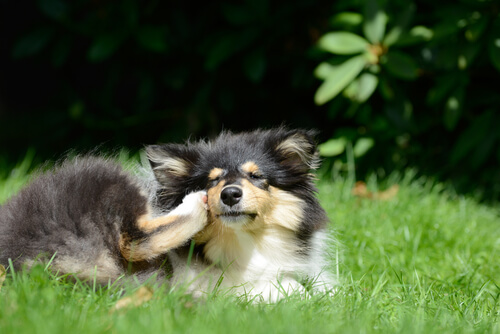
<point x="402" y="22"/>
<point x="367" y="85"/>
<point x="32" y="43"/>
<point x="332" y="147"/>
<point x="362" y="146"/>
<point x="343" y="43"/>
<point x="347" y="19"/>
<point x="422" y="32"/>
<point x="494" y="45"/>
<point x="468" y="54"/>
<point x="475" y="30"/>
<point x="453" y="108"/>
<point x="494" y="52"/>
<point x="339" y="78"/>
<point x="400" y="65"/>
<point x="323" y="70"/>
<point x="351" y="90"/>
<point x="417" y="34"/>
<point x="375" y="22"/>
<point x="104" y="46"/>
<point x="152" y="38"/>
<point x="393" y="36"/>
<point x="362" y="88"/>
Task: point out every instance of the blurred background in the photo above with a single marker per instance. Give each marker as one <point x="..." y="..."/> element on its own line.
<point x="390" y="85"/>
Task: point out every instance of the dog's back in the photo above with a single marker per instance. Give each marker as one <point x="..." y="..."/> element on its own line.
<point x="67" y="212"/>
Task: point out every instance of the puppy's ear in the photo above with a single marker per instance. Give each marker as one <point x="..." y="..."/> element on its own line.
<point x="172" y="162"/>
<point x="297" y="150"/>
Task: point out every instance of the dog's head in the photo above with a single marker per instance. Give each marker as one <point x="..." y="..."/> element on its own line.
<point x="252" y="179"/>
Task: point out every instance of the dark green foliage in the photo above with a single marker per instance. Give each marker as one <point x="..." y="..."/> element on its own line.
<point x="74" y="74"/>
<point x="435" y="66"/>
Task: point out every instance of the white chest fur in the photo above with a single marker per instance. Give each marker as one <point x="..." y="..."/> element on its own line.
<point x="269" y="265"/>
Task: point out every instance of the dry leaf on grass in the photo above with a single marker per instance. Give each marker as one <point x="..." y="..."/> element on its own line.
<point x="142" y="295"/>
<point x="360" y="190"/>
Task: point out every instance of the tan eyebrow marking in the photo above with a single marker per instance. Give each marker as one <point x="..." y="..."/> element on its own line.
<point x="250" y="167"/>
<point x="215" y="173"/>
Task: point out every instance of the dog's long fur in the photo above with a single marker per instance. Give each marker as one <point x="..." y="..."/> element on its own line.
<point x="246" y="200"/>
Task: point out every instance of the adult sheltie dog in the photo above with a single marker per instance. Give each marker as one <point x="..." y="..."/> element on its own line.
<point x="237" y="212"/>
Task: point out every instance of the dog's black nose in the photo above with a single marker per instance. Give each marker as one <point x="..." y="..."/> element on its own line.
<point x="231" y="195"/>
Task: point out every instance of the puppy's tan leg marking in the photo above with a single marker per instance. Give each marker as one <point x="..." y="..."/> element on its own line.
<point x="148" y="224"/>
<point x="167" y="232"/>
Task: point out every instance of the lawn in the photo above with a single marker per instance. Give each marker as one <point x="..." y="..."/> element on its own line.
<point x="415" y="259"/>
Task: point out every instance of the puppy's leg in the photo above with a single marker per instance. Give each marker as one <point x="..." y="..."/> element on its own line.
<point x="159" y="235"/>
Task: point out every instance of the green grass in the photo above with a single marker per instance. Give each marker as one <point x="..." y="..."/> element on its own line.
<point x="425" y="261"/>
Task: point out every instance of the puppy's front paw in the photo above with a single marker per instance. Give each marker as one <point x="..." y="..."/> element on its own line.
<point x="195" y="199"/>
<point x="194" y="205"/>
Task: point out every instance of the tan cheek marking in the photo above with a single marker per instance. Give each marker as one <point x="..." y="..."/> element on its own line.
<point x="287" y="210"/>
<point x="213" y="198"/>
<point x="215" y="173"/>
<point x="214" y="229"/>
<point x="250" y="167"/>
<point x="255" y="198"/>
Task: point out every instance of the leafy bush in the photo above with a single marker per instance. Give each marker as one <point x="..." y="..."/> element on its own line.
<point x="419" y="84"/>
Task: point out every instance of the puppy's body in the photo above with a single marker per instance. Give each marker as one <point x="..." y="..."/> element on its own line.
<point x="95" y="219"/>
<point x="262" y="230"/>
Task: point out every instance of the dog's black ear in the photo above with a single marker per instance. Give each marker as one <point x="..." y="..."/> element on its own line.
<point x="297" y="150"/>
<point x="171" y="162"/>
